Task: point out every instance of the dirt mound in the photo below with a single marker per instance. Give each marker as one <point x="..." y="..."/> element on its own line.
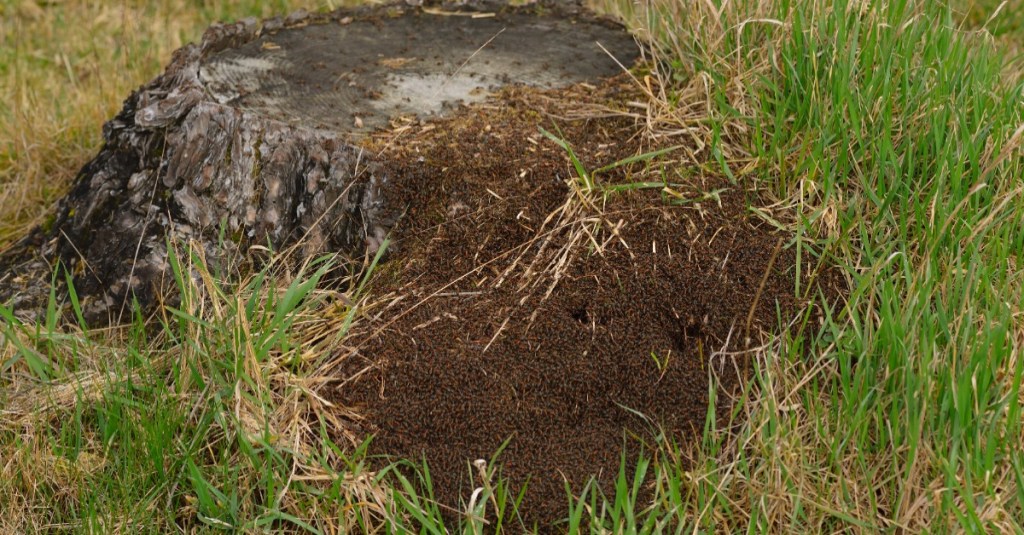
<point x="517" y="306"/>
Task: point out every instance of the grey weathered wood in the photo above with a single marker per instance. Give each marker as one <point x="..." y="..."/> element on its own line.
<point x="252" y="137"/>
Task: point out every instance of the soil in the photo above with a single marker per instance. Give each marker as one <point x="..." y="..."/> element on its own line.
<point x="575" y="326"/>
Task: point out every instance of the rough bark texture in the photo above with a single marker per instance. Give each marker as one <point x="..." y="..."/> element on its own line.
<point x="191" y="161"/>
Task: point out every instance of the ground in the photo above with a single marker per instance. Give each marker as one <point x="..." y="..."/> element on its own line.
<point x="884" y="138"/>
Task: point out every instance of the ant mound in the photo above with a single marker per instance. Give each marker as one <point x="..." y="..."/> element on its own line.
<point x="560" y="317"/>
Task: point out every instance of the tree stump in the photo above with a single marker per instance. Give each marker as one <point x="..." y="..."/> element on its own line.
<point x="252" y="137"/>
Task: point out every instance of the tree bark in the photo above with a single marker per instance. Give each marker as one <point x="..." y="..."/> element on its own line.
<point x="252" y="137"/>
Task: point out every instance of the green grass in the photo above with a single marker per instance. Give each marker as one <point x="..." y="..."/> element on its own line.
<point x="888" y="132"/>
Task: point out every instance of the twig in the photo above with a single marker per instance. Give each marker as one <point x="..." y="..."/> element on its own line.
<point x="760" y="288"/>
